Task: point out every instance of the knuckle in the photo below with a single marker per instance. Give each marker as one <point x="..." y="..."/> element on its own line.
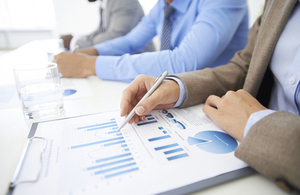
<point x="140" y="77"/>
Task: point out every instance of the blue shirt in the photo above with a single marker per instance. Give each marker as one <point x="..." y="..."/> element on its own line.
<point x="205" y="33"/>
<point x="285" y="65"/>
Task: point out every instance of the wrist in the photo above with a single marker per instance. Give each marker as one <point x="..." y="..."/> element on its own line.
<point x="254" y="118"/>
<point x="90" y="65"/>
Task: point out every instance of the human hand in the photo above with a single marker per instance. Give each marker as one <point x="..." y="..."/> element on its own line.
<point x="76" y="65"/>
<point x="89" y="51"/>
<point x="232" y="111"/>
<point x="165" y="96"/>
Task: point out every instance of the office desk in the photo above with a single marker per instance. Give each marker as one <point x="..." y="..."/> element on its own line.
<point x="106" y="96"/>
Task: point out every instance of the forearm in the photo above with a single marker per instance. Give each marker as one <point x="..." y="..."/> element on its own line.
<point x="279" y="131"/>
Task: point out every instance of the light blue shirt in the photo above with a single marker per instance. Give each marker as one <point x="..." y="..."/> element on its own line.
<point x="205" y="33"/>
<point x="285" y="65"/>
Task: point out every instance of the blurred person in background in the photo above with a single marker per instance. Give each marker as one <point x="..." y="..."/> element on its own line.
<point x="117" y="18"/>
<point x="194" y="34"/>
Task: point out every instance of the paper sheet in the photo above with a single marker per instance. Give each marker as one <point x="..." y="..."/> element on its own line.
<point x="170" y="149"/>
<point x="8" y="97"/>
<point x="75" y="88"/>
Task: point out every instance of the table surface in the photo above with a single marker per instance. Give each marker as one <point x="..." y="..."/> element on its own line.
<point x="105" y="97"/>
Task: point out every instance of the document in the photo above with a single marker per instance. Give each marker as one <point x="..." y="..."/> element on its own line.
<point x="75" y="88"/>
<point x="170" y="149"/>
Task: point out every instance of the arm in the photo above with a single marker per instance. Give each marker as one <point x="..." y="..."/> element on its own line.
<point x="272" y="147"/>
<point x="208" y="37"/>
<point x="124" y="15"/>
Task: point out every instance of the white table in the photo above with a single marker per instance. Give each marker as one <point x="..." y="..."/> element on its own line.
<point x="106" y="97"/>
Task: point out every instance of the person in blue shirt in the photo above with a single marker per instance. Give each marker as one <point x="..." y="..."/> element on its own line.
<point x="202" y="33"/>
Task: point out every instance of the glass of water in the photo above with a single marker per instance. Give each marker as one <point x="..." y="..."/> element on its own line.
<point x="39" y="90"/>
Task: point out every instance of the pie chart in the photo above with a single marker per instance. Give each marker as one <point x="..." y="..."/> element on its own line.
<point x="68" y="92"/>
<point x="214" y="142"/>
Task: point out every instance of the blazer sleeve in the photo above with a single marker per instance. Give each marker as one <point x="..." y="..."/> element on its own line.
<point x="272" y="147"/>
<point x="123" y="17"/>
<point x="202" y="83"/>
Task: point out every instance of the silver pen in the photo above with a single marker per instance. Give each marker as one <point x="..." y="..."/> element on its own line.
<point x="158" y="81"/>
<point x="75" y="49"/>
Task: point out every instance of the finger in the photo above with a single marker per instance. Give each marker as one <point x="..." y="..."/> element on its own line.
<point x="128" y="96"/>
<point x="125" y="102"/>
<point x="133" y="119"/>
<point x="149" y="104"/>
<point x="213" y="101"/>
<point x="210" y="111"/>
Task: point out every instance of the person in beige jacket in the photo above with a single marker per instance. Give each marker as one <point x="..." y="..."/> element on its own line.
<point x="272" y="144"/>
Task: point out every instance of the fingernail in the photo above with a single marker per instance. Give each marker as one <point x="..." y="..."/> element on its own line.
<point x="140" y="110"/>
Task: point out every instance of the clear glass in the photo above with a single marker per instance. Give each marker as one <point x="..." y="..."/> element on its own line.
<point x="39" y="90"/>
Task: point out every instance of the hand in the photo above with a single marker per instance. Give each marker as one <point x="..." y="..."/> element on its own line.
<point x="89" y="51"/>
<point x="76" y="65"/>
<point x="232" y="111"/>
<point x="165" y="96"/>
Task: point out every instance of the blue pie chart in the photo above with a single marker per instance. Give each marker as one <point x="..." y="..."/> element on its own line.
<point x="214" y="142"/>
<point x="68" y="92"/>
<point x="178" y="124"/>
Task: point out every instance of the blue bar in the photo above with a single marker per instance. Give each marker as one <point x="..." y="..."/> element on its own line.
<point x="115" y="128"/>
<point x="115" y="168"/>
<point x="177" y="156"/>
<point x="99" y="142"/>
<point x="160" y="128"/>
<point x="159" y="138"/>
<point x="114" y="143"/>
<point x="113" y="122"/>
<point x="164" y="132"/>
<point x="120" y="173"/>
<point x="148" y="115"/>
<point x="113" y="157"/>
<point x="126" y="149"/>
<point x="103" y="127"/>
<point x="108" y="164"/>
<point x="146" y="123"/>
<point x="124" y="145"/>
<point x="112" y="119"/>
<point x="173" y="151"/>
<point x="110" y="132"/>
<point x="151" y="118"/>
<point x="119" y="134"/>
<point x="166" y="146"/>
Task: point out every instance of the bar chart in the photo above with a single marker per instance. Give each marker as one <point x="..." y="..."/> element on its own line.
<point x="149" y="120"/>
<point x="162" y="145"/>
<point x="108" y="152"/>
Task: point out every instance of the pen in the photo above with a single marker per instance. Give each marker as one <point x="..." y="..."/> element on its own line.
<point x="75" y="49"/>
<point x="152" y="89"/>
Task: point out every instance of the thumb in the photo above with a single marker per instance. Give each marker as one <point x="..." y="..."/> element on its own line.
<point x="147" y="105"/>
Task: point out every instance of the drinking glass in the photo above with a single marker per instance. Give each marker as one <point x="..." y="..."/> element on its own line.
<point x="39" y="90"/>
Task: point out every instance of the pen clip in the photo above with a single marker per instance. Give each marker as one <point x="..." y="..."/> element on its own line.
<point x="156" y="79"/>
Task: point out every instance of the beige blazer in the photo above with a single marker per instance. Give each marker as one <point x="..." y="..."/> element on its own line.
<point x="272" y="146"/>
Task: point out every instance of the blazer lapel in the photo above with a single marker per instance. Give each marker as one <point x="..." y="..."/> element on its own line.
<point x="275" y="17"/>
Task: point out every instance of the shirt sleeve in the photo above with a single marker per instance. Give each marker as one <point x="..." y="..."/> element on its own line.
<point x="212" y="31"/>
<point x="182" y="95"/>
<point x="254" y="118"/>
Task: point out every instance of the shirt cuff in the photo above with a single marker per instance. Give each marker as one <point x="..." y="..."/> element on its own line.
<point x="254" y="118"/>
<point x="182" y="95"/>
